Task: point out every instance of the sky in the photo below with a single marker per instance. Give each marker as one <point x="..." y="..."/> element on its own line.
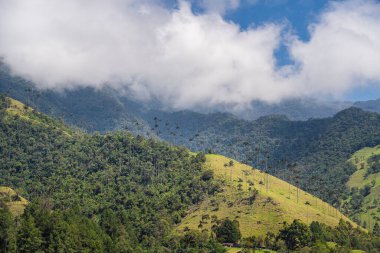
<point x="197" y="53"/>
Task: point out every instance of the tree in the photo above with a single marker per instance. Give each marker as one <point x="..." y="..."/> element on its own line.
<point x="228" y="231"/>
<point x="319" y="232"/>
<point x="376" y="229"/>
<point x="29" y="236"/>
<point x="295" y="235"/>
<point x="207" y="175"/>
<point x="5" y="225"/>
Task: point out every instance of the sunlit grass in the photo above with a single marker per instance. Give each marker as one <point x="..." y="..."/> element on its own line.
<point x="273" y="205"/>
<point x="15" y="205"/>
<point x="369" y="211"/>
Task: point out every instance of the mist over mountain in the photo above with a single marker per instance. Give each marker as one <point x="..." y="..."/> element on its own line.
<point x="106" y="109"/>
<point x="370" y="105"/>
<point x="187" y="59"/>
<point x="295" y="109"/>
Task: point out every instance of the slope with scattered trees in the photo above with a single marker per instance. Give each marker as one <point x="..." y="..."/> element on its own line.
<point x="363" y="202"/>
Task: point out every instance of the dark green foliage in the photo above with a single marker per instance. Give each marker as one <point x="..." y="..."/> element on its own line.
<point x="296" y="235"/>
<point x="347" y="236"/>
<point x="315" y="237"/>
<point x="320" y="232"/>
<point x="376" y="229"/>
<point x="5" y="227"/>
<point x="207" y="175"/>
<point x="373" y="165"/>
<point x="228" y="231"/>
<point x="40" y="229"/>
<point x="196" y="241"/>
<point x="122" y="190"/>
<point x="29" y="237"/>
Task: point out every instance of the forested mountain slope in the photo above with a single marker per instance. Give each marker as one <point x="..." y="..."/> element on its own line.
<point x="363" y="202"/>
<point x="370" y="105"/>
<point x="311" y="154"/>
<point x="295" y="109"/>
<point x="89" y="109"/>
<point x="142" y="185"/>
<point x="120" y="193"/>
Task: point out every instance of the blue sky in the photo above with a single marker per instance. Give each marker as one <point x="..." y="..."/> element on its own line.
<point x="297" y="15"/>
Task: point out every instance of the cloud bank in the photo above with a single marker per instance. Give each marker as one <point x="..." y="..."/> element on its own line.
<point x="184" y="59"/>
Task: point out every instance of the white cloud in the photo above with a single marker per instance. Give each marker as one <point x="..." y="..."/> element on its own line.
<point x="185" y="60"/>
<point x="344" y="49"/>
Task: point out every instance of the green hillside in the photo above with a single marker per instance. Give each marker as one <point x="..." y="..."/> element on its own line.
<point x="274" y="202"/>
<point x="123" y="193"/>
<point x="12" y="200"/>
<point x="113" y="193"/>
<point x="18" y="110"/>
<point x="317" y="148"/>
<point x="364" y="199"/>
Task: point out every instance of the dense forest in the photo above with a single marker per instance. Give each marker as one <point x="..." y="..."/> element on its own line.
<point x="42" y="229"/>
<point x="145" y="185"/>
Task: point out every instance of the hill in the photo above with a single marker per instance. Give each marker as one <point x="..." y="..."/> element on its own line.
<point x="117" y="192"/>
<point x="370" y="105"/>
<point x="294" y="109"/>
<point x="106" y="109"/>
<point x="310" y="153"/>
<point x="260" y="202"/>
<point x="19" y="110"/>
<point x="141" y="187"/>
<point x="12" y="200"/>
<point x="364" y="198"/>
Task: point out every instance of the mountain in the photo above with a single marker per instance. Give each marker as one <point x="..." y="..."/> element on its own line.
<point x="87" y="108"/>
<point x="107" y="109"/>
<point x="310" y="153"/>
<point x="294" y="109"/>
<point x="147" y="185"/>
<point x="120" y="193"/>
<point x="370" y="105"/>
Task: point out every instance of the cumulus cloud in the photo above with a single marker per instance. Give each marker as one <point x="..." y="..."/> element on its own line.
<point x="185" y="59"/>
<point x="344" y="49"/>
